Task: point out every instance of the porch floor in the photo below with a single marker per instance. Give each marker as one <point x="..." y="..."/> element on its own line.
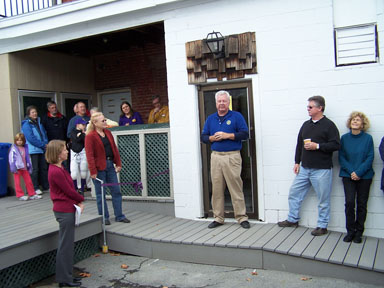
<point x="28" y="229"/>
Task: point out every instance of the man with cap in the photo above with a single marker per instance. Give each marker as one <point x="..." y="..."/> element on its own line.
<point x="79" y="165"/>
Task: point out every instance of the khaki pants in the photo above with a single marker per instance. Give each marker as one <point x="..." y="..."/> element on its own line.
<point x="225" y="171"/>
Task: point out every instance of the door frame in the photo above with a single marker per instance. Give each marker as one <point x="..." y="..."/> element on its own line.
<point x="217" y="86"/>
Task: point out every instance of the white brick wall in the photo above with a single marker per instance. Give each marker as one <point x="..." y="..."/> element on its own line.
<point x="295" y="53"/>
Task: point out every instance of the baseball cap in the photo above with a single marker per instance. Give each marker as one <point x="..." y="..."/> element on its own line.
<point x="80" y="121"/>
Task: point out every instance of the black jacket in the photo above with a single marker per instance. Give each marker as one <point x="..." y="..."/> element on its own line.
<point x="56" y="127"/>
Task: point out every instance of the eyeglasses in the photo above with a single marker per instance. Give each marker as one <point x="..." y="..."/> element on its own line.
<point x="310" y="107"/>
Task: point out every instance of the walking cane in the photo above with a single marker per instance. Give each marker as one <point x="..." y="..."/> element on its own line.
<point x="105" y="247"/>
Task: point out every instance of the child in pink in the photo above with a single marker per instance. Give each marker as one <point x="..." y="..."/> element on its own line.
<point x="20" y="165"/>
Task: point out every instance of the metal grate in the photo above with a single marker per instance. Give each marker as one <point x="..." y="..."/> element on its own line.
<point x="38" y="268"/>
<point x="156" y="152"/>
<point x="129" y="149"/>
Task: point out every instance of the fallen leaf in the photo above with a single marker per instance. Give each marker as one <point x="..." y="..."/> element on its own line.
<point x="114" y="254"/>
<point x="85" y="275"/>
<point x="305" y="278"/>
<point x="96" y="255"/>
<point x="248" y="279"/>
<point x="124" y="266"/>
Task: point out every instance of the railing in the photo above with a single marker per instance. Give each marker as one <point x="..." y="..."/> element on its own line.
<point x="9" y="8"/>
<point x="146" y="159"/>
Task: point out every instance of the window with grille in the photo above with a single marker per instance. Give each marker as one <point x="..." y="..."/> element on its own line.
<point x="356" y="45"/>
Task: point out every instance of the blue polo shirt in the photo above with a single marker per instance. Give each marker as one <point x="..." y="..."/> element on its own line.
<point x="232" y="122"/>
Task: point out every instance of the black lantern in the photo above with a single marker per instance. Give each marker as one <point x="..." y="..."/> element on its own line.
<point x="215" y="43"/>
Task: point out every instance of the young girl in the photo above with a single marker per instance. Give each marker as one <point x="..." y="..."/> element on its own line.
<point x="79" y="165"/>
<point x="20" y="165"/>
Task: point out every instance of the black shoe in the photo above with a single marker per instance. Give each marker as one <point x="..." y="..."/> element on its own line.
<point x="349" y="237"/>
<point x="245" y="224"/>
<point x="125" y="220"/>
<point x="214" y="224"/>
<point x="70" y="284"/>
<point x="357" y="238"/>
<point x="107" y="222"/>
<point x="77" y="279"/>
<point x="319" y="231"/>
<point x="287" y="223"/>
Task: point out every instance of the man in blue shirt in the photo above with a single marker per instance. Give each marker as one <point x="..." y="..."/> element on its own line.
<point x="225" y="130"/>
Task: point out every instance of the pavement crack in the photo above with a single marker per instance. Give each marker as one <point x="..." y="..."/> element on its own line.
<point x="232" y="270"/>
<point x="137" y="269"/>
<point x="119" y="282"/>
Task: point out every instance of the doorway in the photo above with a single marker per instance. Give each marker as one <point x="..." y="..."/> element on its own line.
<point x="241" y="101"/>
<point x="70" y="99"/>
<point x="111" y="102"/>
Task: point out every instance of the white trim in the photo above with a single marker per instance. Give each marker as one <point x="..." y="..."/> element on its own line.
<point x="31" y="94"/>
<point x="143" y="171"/>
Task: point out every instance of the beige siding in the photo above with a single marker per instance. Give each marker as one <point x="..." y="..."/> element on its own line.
<point x="48" y="71"/>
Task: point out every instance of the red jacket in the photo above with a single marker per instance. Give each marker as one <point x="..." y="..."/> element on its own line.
<point x="94" y="149"/>
<point x="62" y="190"/>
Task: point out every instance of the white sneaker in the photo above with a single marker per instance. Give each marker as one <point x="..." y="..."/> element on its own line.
<point x="38" y="192"/>
<point x="34" y="197"/>
<point x="24" y="198"/>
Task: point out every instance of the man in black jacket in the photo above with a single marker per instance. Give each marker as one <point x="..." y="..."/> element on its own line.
<point x="55" y="123"/>
<point x="317" y="140"/>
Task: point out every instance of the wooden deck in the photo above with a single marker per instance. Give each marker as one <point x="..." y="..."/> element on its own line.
<point x="264" y="246"/>
<point x="28" y="229"/>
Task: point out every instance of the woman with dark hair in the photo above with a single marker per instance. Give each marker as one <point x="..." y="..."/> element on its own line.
<point x="64" y="197"/>
<point x="128" y="115"/>
<point x="356" y="157"/>
<point x="37" y="140"/>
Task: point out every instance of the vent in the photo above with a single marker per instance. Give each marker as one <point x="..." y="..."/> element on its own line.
<point x="356" y="45"/>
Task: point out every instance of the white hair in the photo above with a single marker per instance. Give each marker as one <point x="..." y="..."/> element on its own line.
<point x="222" y="92"/>
<point x="93" y="110"/>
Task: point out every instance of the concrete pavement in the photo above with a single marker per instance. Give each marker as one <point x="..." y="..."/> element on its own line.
<point x="106" y="270"/>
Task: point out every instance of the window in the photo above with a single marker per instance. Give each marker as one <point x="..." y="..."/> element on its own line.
<point x="355" y="31"/>
<point x="356" y="45"/>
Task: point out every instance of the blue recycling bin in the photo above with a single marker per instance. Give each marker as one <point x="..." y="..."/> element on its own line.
<point x="4" y="147"/>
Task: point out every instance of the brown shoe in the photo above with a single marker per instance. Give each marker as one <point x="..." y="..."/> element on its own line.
<point x="319" y="231"/>
<point x="287" y="223"/>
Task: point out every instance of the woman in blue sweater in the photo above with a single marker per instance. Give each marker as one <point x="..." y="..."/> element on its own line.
<point x="356" y="157"/>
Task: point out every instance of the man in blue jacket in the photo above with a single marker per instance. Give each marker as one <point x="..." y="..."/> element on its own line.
<point x="225" y="130"/>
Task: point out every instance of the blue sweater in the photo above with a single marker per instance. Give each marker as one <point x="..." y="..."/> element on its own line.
<point x="356" y="155"/>
<point x="232" y="122"/>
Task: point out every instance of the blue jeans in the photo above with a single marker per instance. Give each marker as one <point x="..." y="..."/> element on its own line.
<point x="321" y="180"/>
<point x="109" y="176"/>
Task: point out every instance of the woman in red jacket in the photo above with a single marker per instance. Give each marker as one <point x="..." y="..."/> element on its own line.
<point x="102" y="156"/>
<point x="64" y="196"/>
